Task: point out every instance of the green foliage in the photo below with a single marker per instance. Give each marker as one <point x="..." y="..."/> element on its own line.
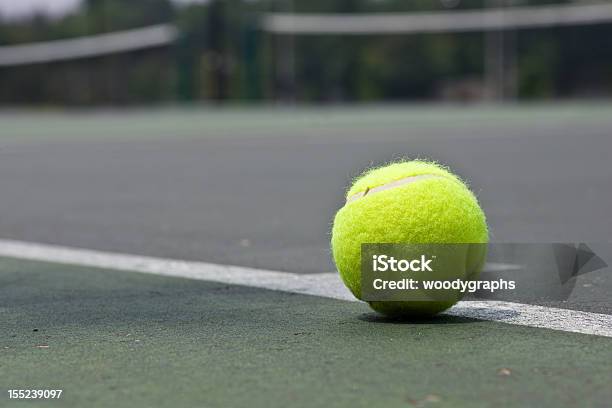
<point x="222" y="56"/>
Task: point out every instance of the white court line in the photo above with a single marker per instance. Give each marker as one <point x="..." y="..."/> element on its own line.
<point x="323" y="284"/>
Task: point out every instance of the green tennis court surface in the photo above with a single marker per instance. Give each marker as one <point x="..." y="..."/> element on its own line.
<point x="258" y="188"/>
<point x="111" y="338"/>
<point x="248" y="122"/>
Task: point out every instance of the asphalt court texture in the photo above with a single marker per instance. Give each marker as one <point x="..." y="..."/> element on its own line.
<point x="127" y="339"/>
<point x="259" y="188"/>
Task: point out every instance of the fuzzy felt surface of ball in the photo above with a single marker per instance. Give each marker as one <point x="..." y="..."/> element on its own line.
<point x="409" y="202"/>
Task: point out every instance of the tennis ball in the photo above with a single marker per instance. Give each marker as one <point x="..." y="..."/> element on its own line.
<point x="410" y="202"/>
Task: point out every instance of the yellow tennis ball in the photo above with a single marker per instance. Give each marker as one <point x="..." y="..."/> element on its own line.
<point x="411" y="202"/>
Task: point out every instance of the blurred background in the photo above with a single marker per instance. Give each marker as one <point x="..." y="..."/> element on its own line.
<point x="118" y="52"/>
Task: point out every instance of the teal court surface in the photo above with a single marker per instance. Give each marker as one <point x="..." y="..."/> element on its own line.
<point x="180" y="257"/>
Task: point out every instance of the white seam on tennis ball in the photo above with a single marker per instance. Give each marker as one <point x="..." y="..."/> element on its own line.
<point x="389" y="186"/>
